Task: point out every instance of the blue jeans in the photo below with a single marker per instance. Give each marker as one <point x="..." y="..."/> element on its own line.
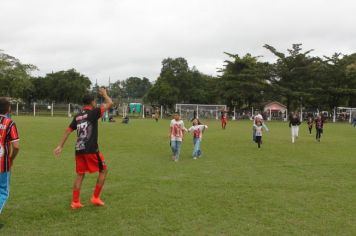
<point x="4" y="188"/>
<point x="175" y="146"/>
<point x="196" y="151"/>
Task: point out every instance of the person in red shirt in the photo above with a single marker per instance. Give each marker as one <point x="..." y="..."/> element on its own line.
<point x="87" y="155"/>
<point x="9" y="148"/>
<point x="223" y="119"/>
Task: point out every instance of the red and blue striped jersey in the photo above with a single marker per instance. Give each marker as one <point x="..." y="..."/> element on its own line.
<point x="8" y="134"/>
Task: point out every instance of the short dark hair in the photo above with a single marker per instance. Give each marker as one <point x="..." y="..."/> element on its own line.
<point x="4" y="106"/>
<point x="87" y="99"/>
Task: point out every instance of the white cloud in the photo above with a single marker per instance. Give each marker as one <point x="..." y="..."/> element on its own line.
<point x="130" y="37"/>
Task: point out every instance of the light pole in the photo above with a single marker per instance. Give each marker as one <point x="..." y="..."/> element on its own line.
<point x="301" y="109"/>
<point x="234" y="103"/>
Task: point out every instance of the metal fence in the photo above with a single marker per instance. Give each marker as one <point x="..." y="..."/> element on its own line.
<point x="37" y="109"/>
<point x="68" y="110"/>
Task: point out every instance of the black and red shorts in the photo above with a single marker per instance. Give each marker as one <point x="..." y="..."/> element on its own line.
<point x="90" y="162"/>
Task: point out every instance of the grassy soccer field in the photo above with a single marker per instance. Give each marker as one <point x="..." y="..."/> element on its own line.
<point x="306" y="188"/>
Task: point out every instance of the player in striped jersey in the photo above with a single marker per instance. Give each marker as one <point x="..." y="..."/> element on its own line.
<point x="9" y="148"/>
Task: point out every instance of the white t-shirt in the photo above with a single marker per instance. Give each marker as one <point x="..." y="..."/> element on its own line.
<point x="177" y="128"/>
<point x="197" y="130"/>
<point x="258" y="130"/>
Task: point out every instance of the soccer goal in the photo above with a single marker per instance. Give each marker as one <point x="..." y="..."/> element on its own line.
<point x="200" y="111"/>
<point x="345" y="114"/>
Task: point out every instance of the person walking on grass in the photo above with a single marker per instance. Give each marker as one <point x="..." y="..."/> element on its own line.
<point x="197" y="130"/>
<point x="294" y="123"/>
<point x="310" y="124"/>
<point x="156" y="115"/>
<point x="87" y="155"/>
<point x="223" y="119"/>
<point x="258" y="132"/>
<point x="319" y="125"/>
<point x="9" y="148"/>
<point x="176" y="133"/>
<point x="258" y="118"/>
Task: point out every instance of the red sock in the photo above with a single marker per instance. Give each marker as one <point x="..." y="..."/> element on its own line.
<point x="76" y="194"/>
<point x="97" y="191"/>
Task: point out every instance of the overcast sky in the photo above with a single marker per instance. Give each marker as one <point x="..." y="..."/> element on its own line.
<point x="123" y="38"/>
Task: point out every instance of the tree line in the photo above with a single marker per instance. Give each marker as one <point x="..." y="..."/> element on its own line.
<point x="296" y="78"/>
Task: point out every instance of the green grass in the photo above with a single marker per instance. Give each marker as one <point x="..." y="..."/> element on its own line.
<point x="306" y="188"/>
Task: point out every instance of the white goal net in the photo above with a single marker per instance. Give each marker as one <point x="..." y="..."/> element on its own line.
<point x="200" y="111"/>
<point x="345" y="114"/>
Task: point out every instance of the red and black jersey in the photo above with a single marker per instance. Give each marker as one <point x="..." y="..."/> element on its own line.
<point x="86" y="124"/>
<point x="319" y="123"/>
<point x="8" y="134"/>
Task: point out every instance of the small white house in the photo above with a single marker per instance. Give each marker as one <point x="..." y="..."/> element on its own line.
<point x="275" y="111"/>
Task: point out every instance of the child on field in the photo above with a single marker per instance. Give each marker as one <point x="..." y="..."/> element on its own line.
<point x="256" y="119"/>
<point x="197" y="130"/>
<point x="294" y="123"/>
<point x="176" y="133"/>
<point x="156" y="116"/>
<point x="223" y="119"/>
<point x="258" y="132"/>
<point x="319" y="125"/>
<point x="310" y="124"/>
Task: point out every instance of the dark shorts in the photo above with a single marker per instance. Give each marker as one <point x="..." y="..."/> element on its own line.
<point x="89" y="162"/>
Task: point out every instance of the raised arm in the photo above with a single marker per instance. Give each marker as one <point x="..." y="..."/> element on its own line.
<point x="108" y="102"/>
<point x="58" y="150"/>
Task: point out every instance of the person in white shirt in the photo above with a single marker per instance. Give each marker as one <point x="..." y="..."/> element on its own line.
<point x="197" y="131"/>
<point x="256" y="119"/>
<point x="176" y="133"/>
<point x="258" y="132"/>
<point x="294" y="123"/>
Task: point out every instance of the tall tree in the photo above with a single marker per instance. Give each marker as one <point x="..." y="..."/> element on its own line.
<point x="15" y="77"/>
<point x="68" y="86"/>
<point x="178" y="83"/>
<point x="243" y="81"/>
<point x="292" y="75"/>
<point x="336" y="79"/>
<point x="135" y="87"/>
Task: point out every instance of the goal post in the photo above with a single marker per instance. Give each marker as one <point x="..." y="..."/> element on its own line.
<point x="200" y="111"/>
<point x="346" y="113"/>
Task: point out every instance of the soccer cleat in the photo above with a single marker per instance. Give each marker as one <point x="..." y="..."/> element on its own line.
<point x="97" y="201"/>
<point x="76" y="205"/>
<point x="194" y="158"/>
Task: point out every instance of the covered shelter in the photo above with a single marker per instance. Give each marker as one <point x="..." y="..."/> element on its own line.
<point x="275" y="111"/>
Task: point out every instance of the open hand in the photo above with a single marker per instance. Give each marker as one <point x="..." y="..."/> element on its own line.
<point x="57" y="151"/>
